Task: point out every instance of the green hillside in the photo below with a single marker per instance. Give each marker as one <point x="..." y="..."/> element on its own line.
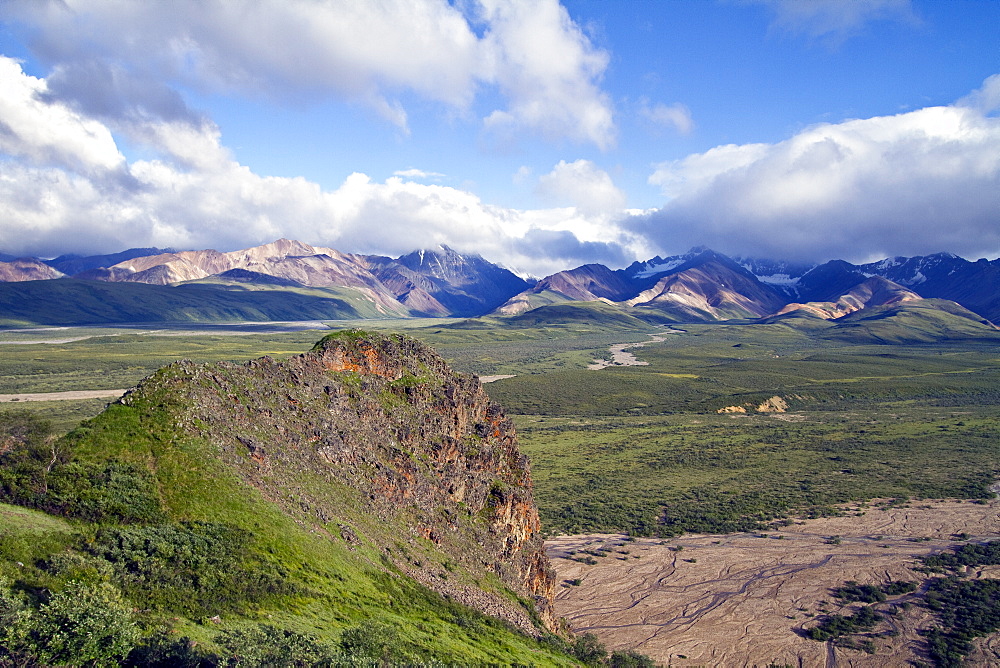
<point x="160" y="543"/>
<point x="75" y="302"/>
<point x="923" y="321"/>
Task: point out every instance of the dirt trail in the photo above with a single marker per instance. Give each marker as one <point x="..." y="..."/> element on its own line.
<point x="63" y="396"/>
<point x="744" y="599"/>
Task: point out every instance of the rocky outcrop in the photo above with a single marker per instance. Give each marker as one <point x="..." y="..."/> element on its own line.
<point x="376" y="440"/>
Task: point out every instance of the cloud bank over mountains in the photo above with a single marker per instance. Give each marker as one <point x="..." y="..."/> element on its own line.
<point x="900" y="184"/>
<point x="912" y="183"/>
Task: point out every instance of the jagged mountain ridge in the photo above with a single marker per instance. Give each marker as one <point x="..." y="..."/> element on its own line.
<point x="447" y="282"/>
<point x="432" y="282"/>
<point x="705" y="285"/>
<point x="699" y="285"/>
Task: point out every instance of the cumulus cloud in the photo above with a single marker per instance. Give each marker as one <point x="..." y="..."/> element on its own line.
<point x="548" y="70"/>
<point x="985" y="99"/>
<point x="836" y="20"/>
<point x="676" y="116"/>
<point x="60" y="193"/>
<point x="914" y="183"/>
<point x="373" y="53"/>
<point x="583" y="185"/>
<point x="45" y="133"/>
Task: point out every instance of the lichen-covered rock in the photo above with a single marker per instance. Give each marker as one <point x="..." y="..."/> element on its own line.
<point x="375" y="439"/>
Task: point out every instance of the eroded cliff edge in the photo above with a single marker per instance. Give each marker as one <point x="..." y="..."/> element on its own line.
<point x="375" y="441"/>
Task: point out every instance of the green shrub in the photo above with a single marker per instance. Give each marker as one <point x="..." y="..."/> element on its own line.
<point x="835" y="626"/>
<point x="162" y="651"/>
<point x="373" y="641"/>
<point x="267" y="646"/>
<point x="630" y="659"/>
<point x="589" y="650"/>
<point x="37" y="470"/>
<point x="195" y="568"/>
<point x="81" y="625"/>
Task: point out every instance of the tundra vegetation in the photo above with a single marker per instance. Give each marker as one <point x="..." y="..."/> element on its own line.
<point x="642" y="450"/>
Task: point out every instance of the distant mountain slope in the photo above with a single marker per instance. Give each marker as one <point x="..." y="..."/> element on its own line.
<point x="75" y="302"/>
<point x="700" y="285"/>
<point x="974" y="285"/>
<point x="75" y="264"/>
<point x="591" y="282"/>
<point x="874" y="291"/>
<point x="710" y="286"/>
<point x="444" y="282"/>
<point x="26" y="269"/>
<point x="437" y="283"/>
<point x="921" y="321"/>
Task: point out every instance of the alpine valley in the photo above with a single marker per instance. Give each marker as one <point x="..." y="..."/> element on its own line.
<point x="693" y="460"/>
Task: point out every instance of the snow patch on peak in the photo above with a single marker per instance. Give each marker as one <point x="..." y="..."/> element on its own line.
<point x="916" y="279"/>
<point x="778" y="279"/>
<point x="660" y="267"/>
<point x="890" y="262"/>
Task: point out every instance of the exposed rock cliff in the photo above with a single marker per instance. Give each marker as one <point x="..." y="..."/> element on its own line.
<point x="375" y="439"/>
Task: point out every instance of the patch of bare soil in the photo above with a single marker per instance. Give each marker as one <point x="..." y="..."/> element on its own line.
<point x="493" y="379"/>
<point x="619" y="356"/>
<point x="63" y="396"/>
<point x="746" y="599"/>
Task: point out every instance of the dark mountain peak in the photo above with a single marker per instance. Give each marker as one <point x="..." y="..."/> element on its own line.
<point x="446" y="282"/>
<point x="255" y="277"/>
<point x="828" y="281"/>
<point x="76" y="264"/>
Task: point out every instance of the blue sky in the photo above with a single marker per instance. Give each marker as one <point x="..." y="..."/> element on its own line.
<point x="542" y="135"/>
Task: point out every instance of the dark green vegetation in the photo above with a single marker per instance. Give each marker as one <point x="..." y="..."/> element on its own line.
<point x="71" y="301"/>
<point x="642" y="449"/>
<point x="833" y="627"/>
<point x="853" y="592"/>
<point x="964" y="609"/>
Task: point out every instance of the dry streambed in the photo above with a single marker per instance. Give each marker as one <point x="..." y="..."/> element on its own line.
<point x="745" y="599"/>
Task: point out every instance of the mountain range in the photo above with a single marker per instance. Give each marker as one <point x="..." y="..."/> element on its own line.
<point x="292" y="280"/>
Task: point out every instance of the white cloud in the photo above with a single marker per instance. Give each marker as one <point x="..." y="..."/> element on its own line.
<point x="836" y="19"/>
<point x="676" y="116"/>
<point x="373" y="53"/>
<point x="195" y="195"/>
<point x="915" y="183"/>
<point x="583" y="185"/>
<point x="41" y="132"/>
<point x="418" y="174"/>
<point x="986" y="98"/>
<point x="548" y="70"/>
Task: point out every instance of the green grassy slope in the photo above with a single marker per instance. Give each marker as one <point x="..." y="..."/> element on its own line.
<point x="163" y="523"/>
<point x="76" y="302"/>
